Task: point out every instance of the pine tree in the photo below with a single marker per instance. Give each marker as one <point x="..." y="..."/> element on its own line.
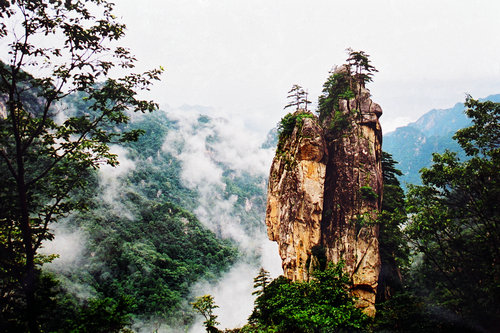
<point x="261" y="281"/>
<point x="360" y="66"/>
<point x="205" y="306"/>
<point x="298" y="97"/>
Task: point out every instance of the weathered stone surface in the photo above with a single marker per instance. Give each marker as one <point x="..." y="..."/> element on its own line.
<point x="353" y="195"/>
<point x="295" y="197"/>
<point x="325" y="189"/>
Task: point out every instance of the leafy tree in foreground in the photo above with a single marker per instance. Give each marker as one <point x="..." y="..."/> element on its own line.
<point x="44" y="154"/>
<point x="455" y="222"/>
<point x="398" y="308"/>
<point x="205" y="306"/>
<point x="394" y="251"/>
<point x="320" y="305"/>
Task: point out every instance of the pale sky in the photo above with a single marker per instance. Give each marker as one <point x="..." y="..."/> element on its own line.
<point x="241" y="57"/>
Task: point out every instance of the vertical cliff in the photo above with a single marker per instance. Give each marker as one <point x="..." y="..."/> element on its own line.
<point x="295" y="195"/>
<point x="325" y="189"/>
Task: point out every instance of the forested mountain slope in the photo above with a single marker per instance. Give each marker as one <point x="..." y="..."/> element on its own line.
<point x="412" y="145"/>
<point x="140" y="238"/>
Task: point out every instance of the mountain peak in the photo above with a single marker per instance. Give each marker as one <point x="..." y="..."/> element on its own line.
<point x="412" y="145"/>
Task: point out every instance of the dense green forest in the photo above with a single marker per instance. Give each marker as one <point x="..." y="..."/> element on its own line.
<point x="144" y="249"/>
<point x="140" y="247"/>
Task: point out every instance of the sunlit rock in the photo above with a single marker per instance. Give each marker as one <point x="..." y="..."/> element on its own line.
<point x="325" y="191"/>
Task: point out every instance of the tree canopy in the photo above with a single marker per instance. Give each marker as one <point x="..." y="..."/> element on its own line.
<point x="345" y="82"/>
<point x="205" y="306"/>
<point x="455" y="221"/>
<point x="69" y="47"/>
<point x="322" y="304"/>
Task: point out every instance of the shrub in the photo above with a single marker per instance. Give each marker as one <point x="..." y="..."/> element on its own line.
<point x="320" y="305"/>
<point x="288" y="123"/>
<point x="368" y="193"/>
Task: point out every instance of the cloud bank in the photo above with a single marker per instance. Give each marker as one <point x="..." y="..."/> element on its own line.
<point x="207" y="147"/>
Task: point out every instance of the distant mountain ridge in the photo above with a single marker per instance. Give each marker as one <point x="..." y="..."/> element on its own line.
<point x="412" y="145"/>
<point x="442" y="121"/>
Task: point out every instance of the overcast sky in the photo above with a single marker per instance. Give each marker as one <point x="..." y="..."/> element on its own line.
<point x="241" y="57"/>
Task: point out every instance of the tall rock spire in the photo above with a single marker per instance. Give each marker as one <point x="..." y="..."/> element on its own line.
<point x="325" y="191"/>
<point x="295" y="195"/>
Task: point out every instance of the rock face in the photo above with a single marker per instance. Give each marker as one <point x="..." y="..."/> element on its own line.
<point x="324" y="194"/>
<point x="295" y="197"/>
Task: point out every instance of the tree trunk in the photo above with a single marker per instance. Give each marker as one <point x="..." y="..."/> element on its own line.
<point x="29" y="276"/>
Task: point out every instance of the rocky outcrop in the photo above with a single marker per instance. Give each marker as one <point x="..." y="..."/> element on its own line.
<point x="295" y="196"/>
<point x="325" y="192"/>
<point x="353" y="195"/>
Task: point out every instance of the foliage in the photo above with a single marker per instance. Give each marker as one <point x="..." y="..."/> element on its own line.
<point x="287" y="125"/>
<point x="143" y="248"/>
<point x="43" y="156"/>
<point x="397" y="310"/>
<point x="205" y="306"/>
<point x="412" y="145"/>
<point x="339" y="121"/>
<point x="455" y="222"/>
<point x="394" y="250"/>
<point x="401" y="313"/>
<point x="406" y="312"/>
<point x="138" y="247"/>
<point x="151" y="259"/>
<point x="298" y="97"/>
<point x="360" y="66"/>
<point x="482" y="138"/>
<point x="337" y="87"/>
<point x="425" y="299"/>
<point x="389" y="171"/>
<point x="59" y="311"/>
<point x="145" y="245"/>
<point x="320" y="305"/>
<point x="289" y="121"/>
<point x="156" y="175"/>
<point x="345" y="83"/>
<point x="141" y="244"/>
<point x="154" y="258"/>
<point x="261" y="281"/>
<point x="368" y="193"/>
<point x="102" y="315"/>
